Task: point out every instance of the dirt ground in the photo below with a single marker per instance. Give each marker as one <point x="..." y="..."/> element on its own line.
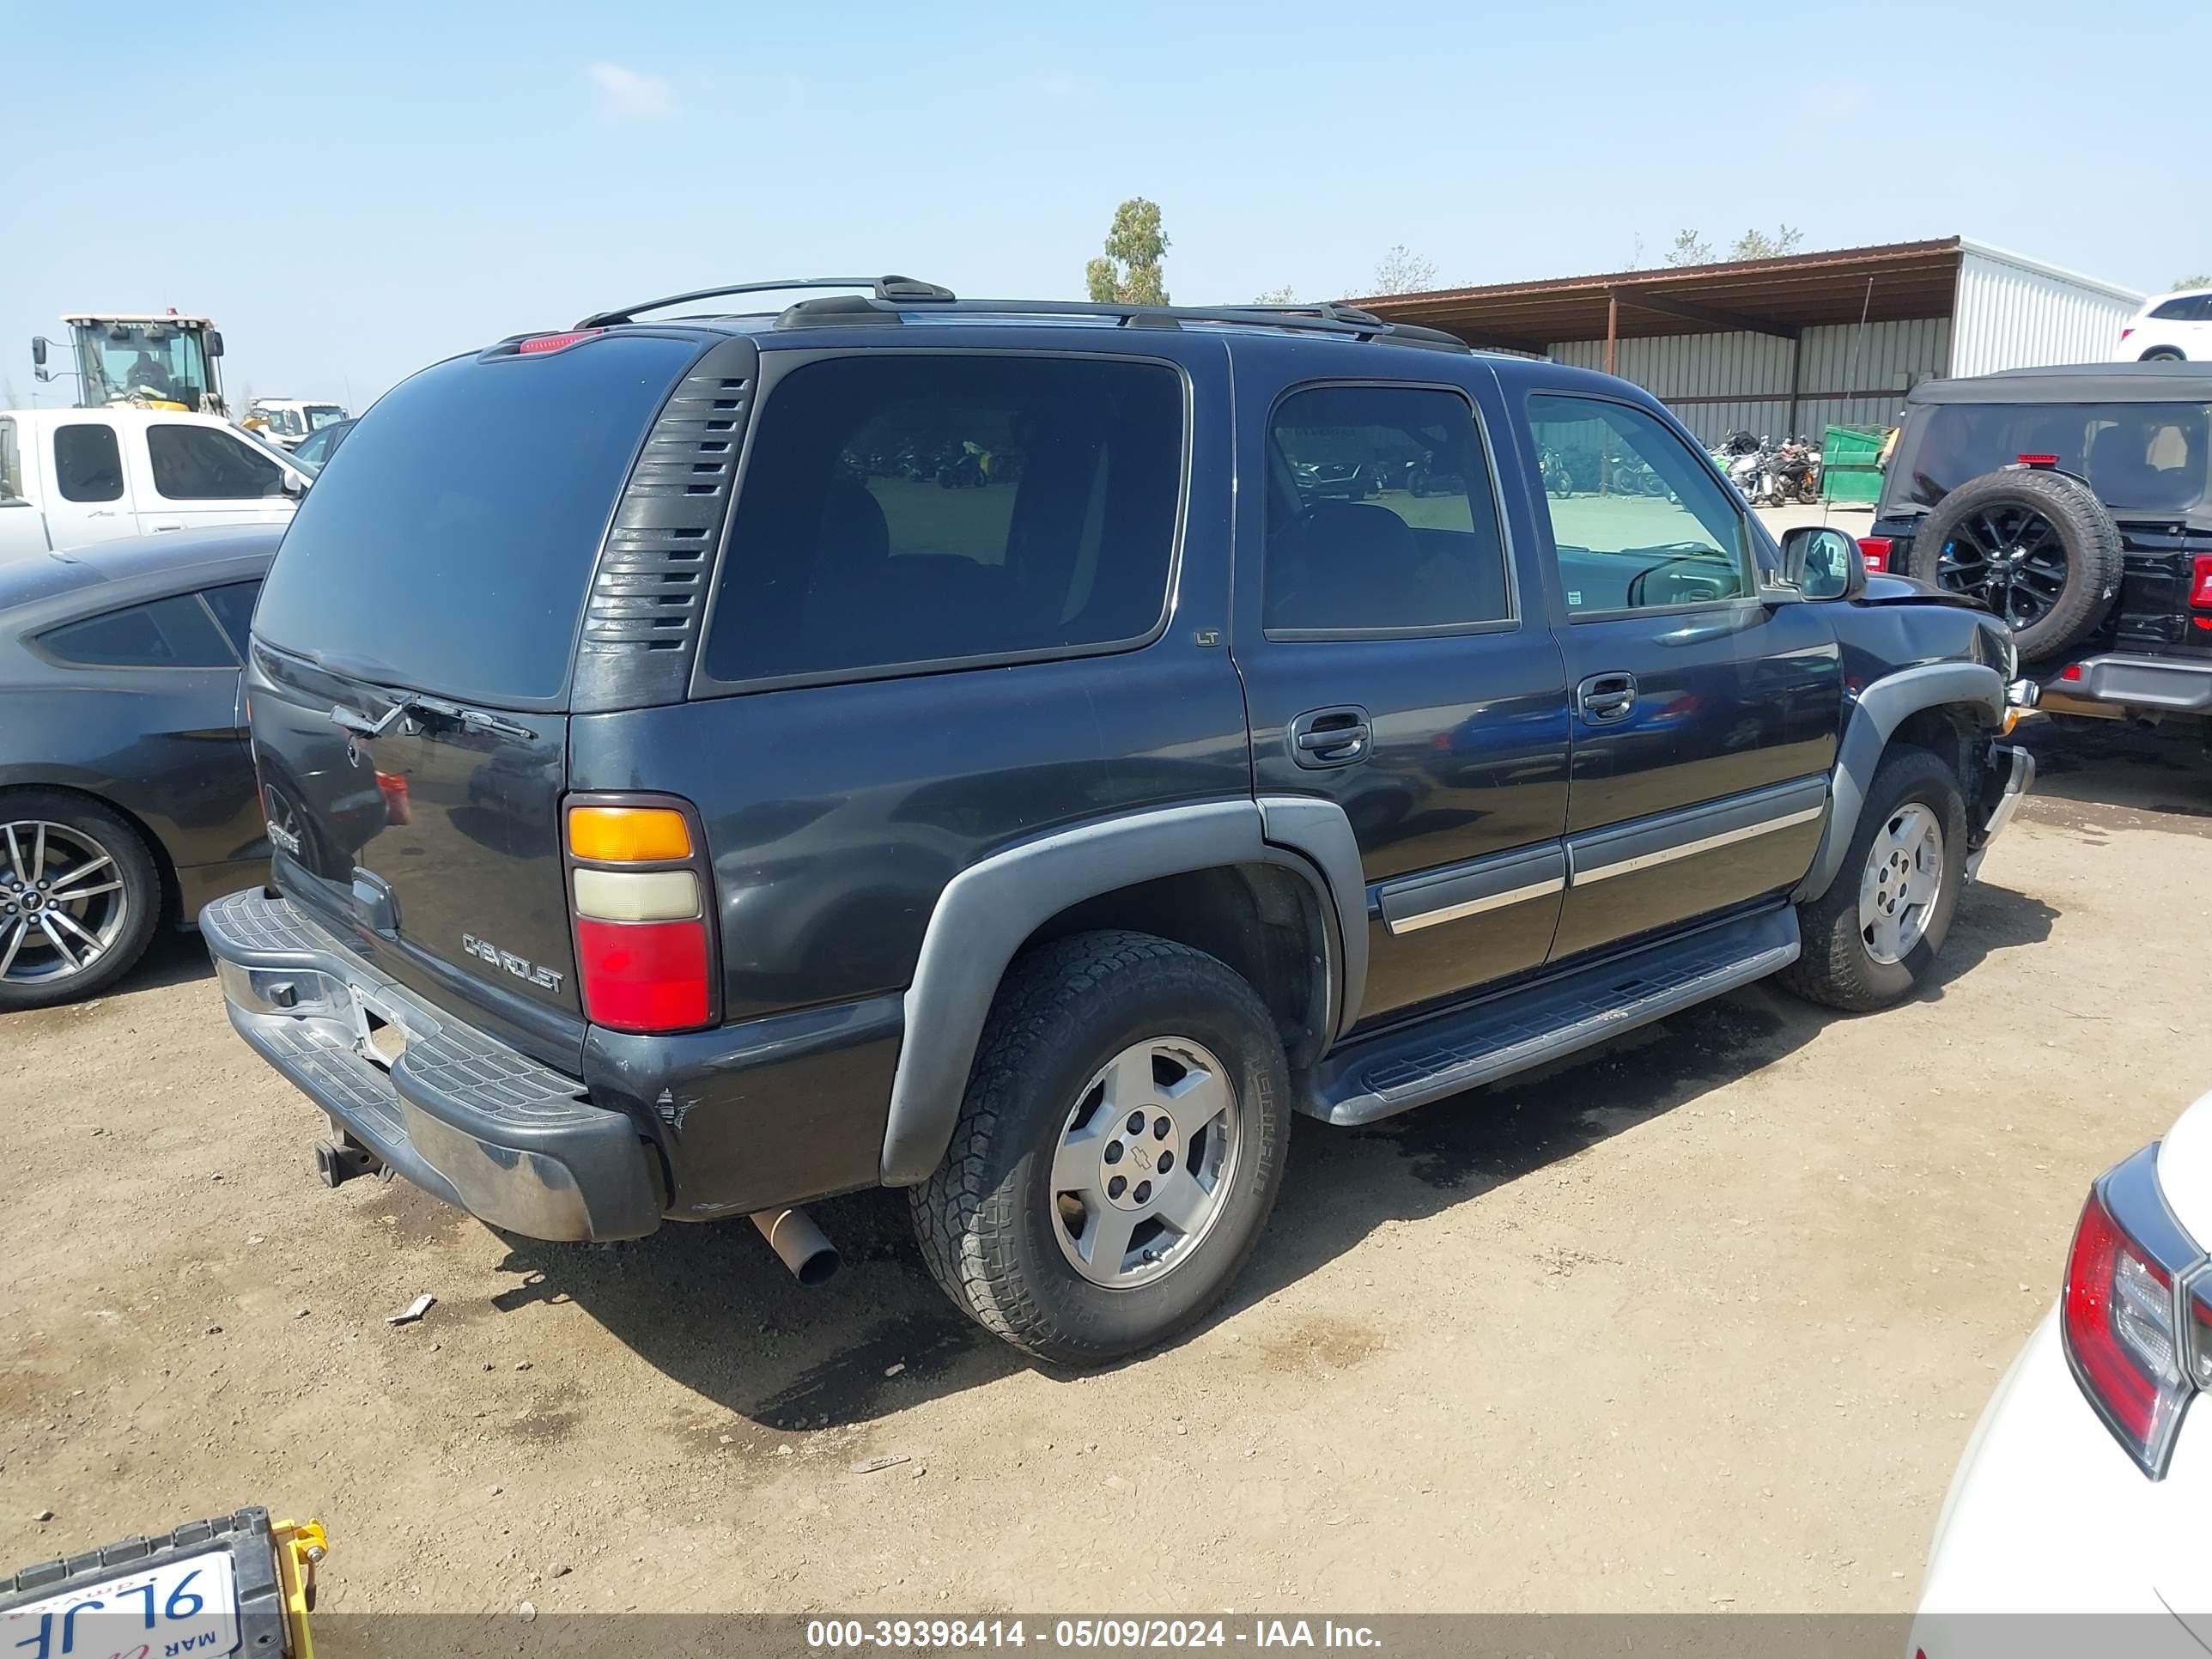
<point x="1699" y="1321"/>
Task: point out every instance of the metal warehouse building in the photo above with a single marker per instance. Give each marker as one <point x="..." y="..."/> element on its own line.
<point x="1793" y="344"/>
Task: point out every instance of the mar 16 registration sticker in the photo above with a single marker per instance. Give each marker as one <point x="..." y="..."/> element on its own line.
<point x="180" y="1607"/>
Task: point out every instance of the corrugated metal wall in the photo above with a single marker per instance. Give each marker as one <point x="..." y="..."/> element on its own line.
<point x="1717" y="383"/>
<point x="2012" y="316"/>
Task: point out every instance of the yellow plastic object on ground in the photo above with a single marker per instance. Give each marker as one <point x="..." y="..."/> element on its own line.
<point x="299" y="1545"/>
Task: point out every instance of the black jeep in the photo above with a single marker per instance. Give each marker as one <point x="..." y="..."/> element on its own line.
<point x="2076" y="503"/>
<point x="683" y="810"/>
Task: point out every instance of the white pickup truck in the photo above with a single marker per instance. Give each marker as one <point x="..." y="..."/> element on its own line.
<point x="72" y="475"/>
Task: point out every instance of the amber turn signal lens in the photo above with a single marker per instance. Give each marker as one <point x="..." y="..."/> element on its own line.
<point x="628" y="834"/>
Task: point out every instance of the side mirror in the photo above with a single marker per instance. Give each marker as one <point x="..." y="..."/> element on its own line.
<point x="39" y="353"/>
<point x="1823" y="564"/>
<point x="214" y="343"/>
<point x="293" y="485"/>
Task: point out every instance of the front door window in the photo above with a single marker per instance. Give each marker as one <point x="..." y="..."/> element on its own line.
<point x="1645" y="525"/>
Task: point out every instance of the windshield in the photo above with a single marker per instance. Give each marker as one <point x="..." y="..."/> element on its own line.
<point x="322" y="415"/>
<point x="159" y="362"/>
<point x="2140" y="457"/>
<point x="286" y="421"/>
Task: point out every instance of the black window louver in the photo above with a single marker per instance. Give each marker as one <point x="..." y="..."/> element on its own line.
<point x="648" y="594"/>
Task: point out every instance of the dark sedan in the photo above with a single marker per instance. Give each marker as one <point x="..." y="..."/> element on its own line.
<point x="127" y="797"/>
<point x="319" y="446"/>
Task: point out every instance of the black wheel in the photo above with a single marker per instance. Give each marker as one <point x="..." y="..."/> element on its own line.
<point x="2038" y="547"/>
<point x="79" y="897"/>
<point x="1118" y="1151"/>
<point x="1875" y="934"/>
<point x="2162" y="355"/>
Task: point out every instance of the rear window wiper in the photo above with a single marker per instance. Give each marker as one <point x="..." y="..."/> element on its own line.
<point x="414" y="703"/>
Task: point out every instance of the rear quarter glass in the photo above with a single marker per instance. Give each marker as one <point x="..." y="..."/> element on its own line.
<point x="453" y="551"/>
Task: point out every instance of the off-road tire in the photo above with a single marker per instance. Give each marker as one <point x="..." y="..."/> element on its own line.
<point x="1833" y="966"/>
<point x="141" y="892"/>
<point x="2086" y="531"/>
<point x="984" y="1219"/>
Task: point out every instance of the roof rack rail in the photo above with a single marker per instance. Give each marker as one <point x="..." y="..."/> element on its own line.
<point x="903" y="290"/>
<point x="1323" y="318"/>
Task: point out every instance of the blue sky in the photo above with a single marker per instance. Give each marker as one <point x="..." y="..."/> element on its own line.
<point x="354" y="192"/>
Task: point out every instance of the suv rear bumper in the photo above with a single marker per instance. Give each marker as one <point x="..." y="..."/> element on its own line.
<point x="461" y="1115"/>
<point x="2119" y="680"/>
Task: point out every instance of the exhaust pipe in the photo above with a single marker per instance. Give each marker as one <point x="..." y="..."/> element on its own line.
<point x="799" y="1243"/>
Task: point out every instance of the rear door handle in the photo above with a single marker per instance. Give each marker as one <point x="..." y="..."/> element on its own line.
<point x="1331" y="737"/>
<point x="1604" y="699"/>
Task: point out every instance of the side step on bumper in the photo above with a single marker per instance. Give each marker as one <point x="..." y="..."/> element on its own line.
<point x="1516" y="1030"/>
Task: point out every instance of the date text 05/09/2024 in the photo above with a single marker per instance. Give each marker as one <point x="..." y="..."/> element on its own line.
<point x="831" y="1635"/>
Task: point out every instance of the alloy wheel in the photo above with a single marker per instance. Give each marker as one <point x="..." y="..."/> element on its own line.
<point x="2010" y="557"/>
<point x="63" y="903"/>
<point x="1903" y="879"/>
<point x="1142" y="1166"/>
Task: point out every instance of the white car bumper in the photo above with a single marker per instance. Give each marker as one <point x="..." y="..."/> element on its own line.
<point x="2053" y="1540"/>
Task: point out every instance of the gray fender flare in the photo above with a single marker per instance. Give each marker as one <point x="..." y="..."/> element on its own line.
<point x="987" y="909"/>
<point x="1880" y="710"/>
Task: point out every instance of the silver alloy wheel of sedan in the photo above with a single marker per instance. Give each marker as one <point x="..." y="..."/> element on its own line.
<point x="63" y="903"/>
<point x="1903" y="879"/>
<point x="1144" y="1161"/>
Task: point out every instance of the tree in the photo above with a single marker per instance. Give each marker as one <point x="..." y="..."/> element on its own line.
<point x="1128" y="273"/>
<point x="1401" y="270"/>
<point x="1276" y="296"/>
<point x="1688" y="248"/>
<point x="1758" y="244"/>
<point x="2202" y="279"/>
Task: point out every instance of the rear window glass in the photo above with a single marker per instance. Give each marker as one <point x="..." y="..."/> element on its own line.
<point x="2147" y="457"/>
<point x="910" y="507"/>
<point x="1379" y="514"/>
<point x="233" y="605"/>
<point x="172" y="632"/>
<point x="88" y="464"/>
<point x="452" y="551"/>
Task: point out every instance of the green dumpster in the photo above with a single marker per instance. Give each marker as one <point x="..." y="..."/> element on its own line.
<point x="1850" y="463"/>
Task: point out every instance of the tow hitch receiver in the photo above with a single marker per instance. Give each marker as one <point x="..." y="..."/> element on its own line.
<point x="338" y="1162"/>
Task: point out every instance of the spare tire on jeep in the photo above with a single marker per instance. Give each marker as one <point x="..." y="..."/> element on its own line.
<point x="2037" y="547"/>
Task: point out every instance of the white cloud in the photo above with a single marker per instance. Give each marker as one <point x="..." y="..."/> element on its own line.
<point x="626" y="95"/>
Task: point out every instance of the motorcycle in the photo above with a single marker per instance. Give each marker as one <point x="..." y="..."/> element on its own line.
<point x="1742" y="459"/>
<point x="1632" y="476"/>
<point x="962" y="470"/>
<point x="1558" y="479"/>
<point x="1793" y="474"/>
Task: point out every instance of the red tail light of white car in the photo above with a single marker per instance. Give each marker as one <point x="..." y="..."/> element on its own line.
<point x="2084" y="1489"/>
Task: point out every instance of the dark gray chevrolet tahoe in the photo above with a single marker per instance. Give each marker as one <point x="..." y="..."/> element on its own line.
<point x="1024" y="753"/>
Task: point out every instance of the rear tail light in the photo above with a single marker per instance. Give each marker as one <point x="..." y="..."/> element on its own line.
<point x="2072" y="674"/>
<point x="637" y="886"/>
<point x="1875" y="549"/>
<point x="2039" y="460"/>
<point x="2127" y="331"/>
<point x="2200" y="581"/>
<point x="2130" y="1348"/>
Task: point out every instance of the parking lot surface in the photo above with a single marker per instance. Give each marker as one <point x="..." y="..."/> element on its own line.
<point x="1700" y="1320"/>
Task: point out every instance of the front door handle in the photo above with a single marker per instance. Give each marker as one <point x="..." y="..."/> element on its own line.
<point x="1331" y="737"/>
<point x="1604" y="699"/>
